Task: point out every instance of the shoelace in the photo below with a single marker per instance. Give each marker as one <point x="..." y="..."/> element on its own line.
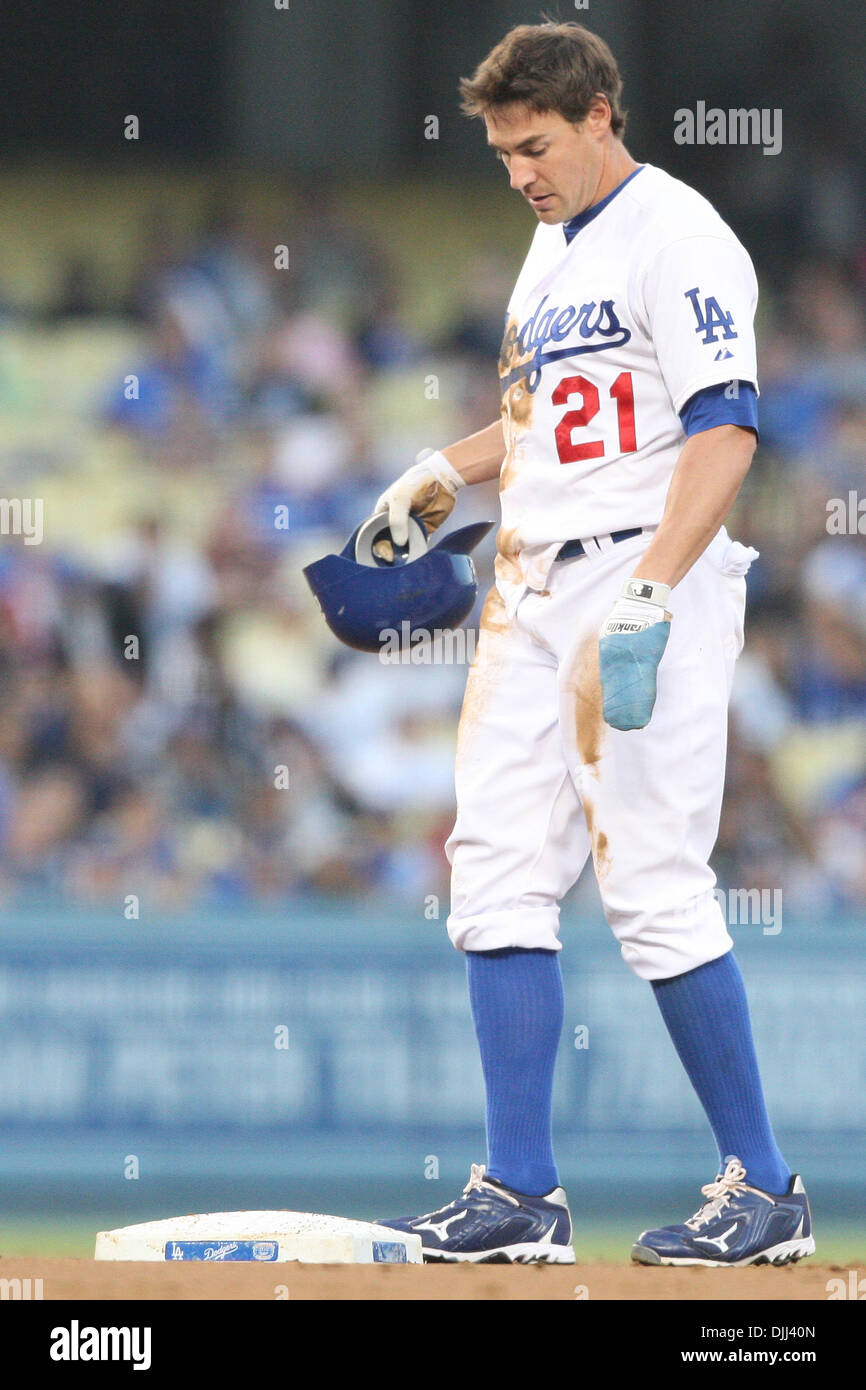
<point x="476" y="1178"/>
<point x="731" y="1184"/>
<point x="476" y="1181"/>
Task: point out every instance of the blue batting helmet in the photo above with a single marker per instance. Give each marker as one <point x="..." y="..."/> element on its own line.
<point x="373" y="586"/>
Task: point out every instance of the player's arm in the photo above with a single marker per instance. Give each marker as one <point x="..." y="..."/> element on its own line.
<point x="707" y="478"/>
<point x="708" y="475"/>
<point x="699" y="297"/>
<point x="429" y="487"/>
<point x="478" y="457"/>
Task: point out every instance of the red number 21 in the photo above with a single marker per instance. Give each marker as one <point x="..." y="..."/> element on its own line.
<point x="621" y="392"/>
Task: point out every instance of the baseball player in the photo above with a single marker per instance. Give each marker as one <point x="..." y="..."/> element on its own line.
<point x="595" y="714"/>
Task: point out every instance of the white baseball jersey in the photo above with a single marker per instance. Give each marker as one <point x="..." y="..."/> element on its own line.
<point x="606" y="340"/>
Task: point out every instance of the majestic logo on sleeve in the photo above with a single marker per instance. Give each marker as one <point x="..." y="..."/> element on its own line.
<point x="526" y="348"/>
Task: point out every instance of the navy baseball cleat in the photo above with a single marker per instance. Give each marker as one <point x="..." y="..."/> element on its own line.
<point x="490" y="1224"/>
<point x="738" y="1225"/>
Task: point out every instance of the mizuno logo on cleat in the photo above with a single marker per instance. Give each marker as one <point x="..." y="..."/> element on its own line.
<point x="721" y="1241"/>
<point x="440" y="1228"/>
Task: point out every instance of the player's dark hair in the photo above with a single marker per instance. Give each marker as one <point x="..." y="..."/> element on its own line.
<point x="547" y="67"/>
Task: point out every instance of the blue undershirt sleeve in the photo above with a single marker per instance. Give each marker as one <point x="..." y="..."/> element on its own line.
<point x="716" y="405"/>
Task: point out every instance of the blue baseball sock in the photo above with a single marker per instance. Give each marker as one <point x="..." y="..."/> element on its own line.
<point x="517" y="1006"/>
<point x="707" y="1016"/>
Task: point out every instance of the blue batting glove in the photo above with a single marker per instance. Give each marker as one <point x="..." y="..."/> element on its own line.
<point x="631" y="645"/>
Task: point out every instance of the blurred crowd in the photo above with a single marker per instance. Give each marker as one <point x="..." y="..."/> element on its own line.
<point x="176" y="721"/>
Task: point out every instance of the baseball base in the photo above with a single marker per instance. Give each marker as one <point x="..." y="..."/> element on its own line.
<point x="260" y="1236"/>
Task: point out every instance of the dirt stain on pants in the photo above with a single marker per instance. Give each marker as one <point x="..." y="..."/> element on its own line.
<point x="590" y="730"/>
<point x="485" y="671"/>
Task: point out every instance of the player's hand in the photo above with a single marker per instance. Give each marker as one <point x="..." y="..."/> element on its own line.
<point x="427" y="490"/>
<point x="630" y="647"/>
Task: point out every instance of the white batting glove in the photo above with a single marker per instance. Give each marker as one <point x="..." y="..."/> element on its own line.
<point x="630" y="647"/>
<point x="427" y="490"/>
<point x="640" y="604"/>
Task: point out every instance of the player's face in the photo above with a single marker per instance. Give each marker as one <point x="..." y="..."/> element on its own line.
<point x="557" y="166"/>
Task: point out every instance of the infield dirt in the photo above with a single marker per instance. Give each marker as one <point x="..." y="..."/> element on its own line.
<point x="88" y="1279"/>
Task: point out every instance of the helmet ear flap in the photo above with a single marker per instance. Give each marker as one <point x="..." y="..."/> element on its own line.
<point x="464" y="541"/>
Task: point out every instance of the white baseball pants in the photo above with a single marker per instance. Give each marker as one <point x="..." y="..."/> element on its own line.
<point x="542" y="781"/>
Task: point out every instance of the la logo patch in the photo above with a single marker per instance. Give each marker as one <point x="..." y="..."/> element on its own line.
<point x="711" y="317"/>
